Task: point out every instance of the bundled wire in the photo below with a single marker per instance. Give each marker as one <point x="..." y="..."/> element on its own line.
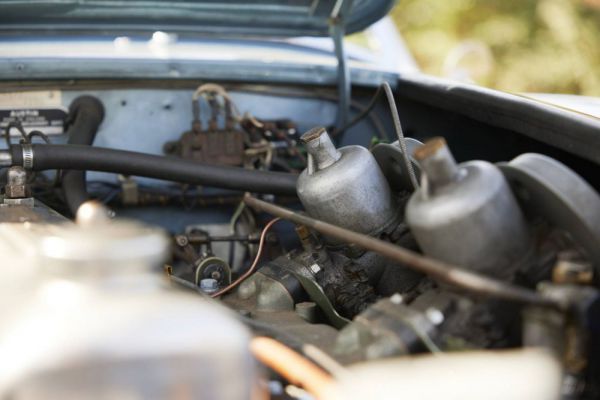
<point x="387" y="90"/>
<point x="401" y="139"/>
<point x="313" y="93"/>
<point x="26" y="138"/>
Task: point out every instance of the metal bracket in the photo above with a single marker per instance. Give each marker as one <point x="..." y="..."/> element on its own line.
<point x="337" y="30"/>
<point x="130" y="195"/>
<point x="318" y="296"/>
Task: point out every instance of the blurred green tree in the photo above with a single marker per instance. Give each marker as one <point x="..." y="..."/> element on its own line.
<point x="550" y="46"/>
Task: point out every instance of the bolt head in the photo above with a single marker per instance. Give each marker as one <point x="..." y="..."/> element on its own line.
<point x="434" y="315"/>
<point x="315" y="268"/>
<point x="209" y="285"/>
<point x="16" y="191"/>
<point x="181" y="240"/>
<point x="396" y="298"/>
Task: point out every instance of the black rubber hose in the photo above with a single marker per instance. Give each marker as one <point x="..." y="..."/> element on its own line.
<point x="86" y="113"/>
<point x="87" y="158"/>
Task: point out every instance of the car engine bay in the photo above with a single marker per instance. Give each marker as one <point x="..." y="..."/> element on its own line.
<point x="222" y="223"/>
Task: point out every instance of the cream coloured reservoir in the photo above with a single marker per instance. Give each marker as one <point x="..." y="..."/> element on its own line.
<point x="98" y="322"/>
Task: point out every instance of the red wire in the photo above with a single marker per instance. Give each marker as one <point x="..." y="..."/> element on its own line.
<point x="261" y="245"/>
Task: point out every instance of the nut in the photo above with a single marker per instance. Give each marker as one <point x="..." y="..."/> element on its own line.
<point x="315" y="268"/>
<point x="16" y="191"/>
<point x="16" y="187"/>
<point x="209" y="285"/>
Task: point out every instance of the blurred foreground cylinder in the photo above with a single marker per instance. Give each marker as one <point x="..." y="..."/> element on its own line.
<point x="490" y="375"/>
<point x="466" y="214"/>
<point x="345" y="186"/>
<point x="99" y="324"/>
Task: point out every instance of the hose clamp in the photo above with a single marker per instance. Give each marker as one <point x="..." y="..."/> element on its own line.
<point x="27" y="156"/>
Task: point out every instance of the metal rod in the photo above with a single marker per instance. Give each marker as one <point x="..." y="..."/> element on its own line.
<point x="204" y="239"/>
<point x="337" y="32"/>
<point x="438" y="270"/>
<point x="186" y="284"/>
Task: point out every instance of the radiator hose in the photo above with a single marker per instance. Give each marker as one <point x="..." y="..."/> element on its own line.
<point x="41" y="157"/>
<point x="85" y="115"/>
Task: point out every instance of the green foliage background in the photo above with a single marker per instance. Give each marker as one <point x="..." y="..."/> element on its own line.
<point x="550" y="46"/>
